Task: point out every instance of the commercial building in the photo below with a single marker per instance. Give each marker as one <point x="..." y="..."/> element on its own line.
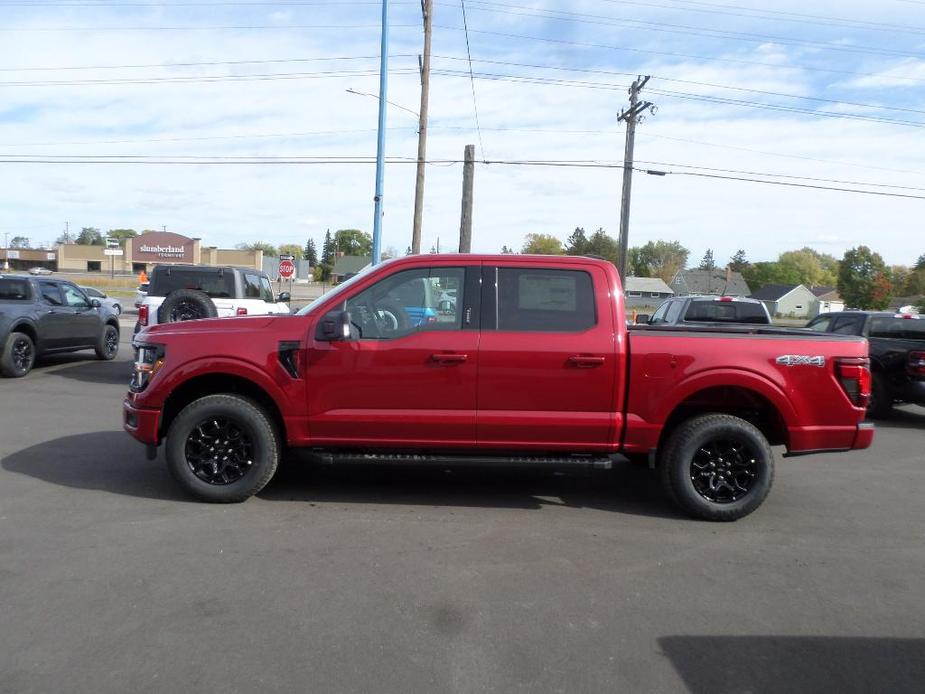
<point x="149" y="249"/>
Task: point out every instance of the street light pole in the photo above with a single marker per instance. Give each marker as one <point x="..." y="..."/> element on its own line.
<point x="380" y="144"/>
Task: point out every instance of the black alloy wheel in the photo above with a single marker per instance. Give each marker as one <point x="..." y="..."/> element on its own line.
<point x="112" y="341"/>
<point x="219" y="451"/>
<point x="23" y="354"/>
<point x="717" y="467"/>
<point x="724" y="470"/>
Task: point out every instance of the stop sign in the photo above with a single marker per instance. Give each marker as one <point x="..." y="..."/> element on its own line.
<point x="286" y="268"/>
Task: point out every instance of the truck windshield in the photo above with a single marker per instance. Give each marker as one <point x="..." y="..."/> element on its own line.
<point x="898" y="327"/>
<point x="337" y="291"/>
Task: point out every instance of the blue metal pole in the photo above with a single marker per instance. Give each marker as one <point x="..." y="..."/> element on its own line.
<point x="380" y="146"/>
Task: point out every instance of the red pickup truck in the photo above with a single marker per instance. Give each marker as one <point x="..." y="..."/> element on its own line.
<point x="509" y="359"/>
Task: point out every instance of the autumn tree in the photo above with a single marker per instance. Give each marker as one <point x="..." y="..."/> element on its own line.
<point x="268" y="248"/>
<point x="863" y="279"/>
<point x="293" y="249"/>
<point x="90" y="236"/>
<point x="663" y="259"/>
<point x="544" y="244"/>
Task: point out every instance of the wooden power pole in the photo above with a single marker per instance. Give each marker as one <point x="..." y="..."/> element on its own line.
<point x="427" y="9"/>
<point x="632" y="115"/>
<point x="465" y="221"/>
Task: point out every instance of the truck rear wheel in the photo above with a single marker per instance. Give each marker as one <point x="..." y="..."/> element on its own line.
<point x="717" y="467"/>
<point x="222" y="448"/>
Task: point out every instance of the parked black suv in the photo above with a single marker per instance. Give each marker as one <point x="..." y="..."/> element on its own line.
<point x="44" y="316"/>
<point x="897" y="353"/>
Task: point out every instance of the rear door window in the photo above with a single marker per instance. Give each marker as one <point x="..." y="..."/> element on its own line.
<point x="848" y="325"/>
<point x="51" y="294"/>
<point x="726" y="312"/>
<point x="257" y="287"/>
<point x="545" y="300"/>
<point x="12" y="289"/>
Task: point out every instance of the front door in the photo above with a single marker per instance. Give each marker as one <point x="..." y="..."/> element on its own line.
<point x="547" y="359"/>
<point x="409" y="380"/>
<point x="85" y="325"/>
<point x="54" y="318"/>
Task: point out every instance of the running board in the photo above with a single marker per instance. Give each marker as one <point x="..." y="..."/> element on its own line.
<point x="333" y="458"/>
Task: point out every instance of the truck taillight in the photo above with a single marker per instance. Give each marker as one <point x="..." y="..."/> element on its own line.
<point x="241" y="311"/>
<point x="142" y="315"/>
<point x="854" y="376"/>
<point x="916" y="365"/>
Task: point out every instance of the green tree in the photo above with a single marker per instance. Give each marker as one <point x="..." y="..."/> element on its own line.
<point x="915" y="283"/>
<point x="293" y="249"/>
<point x="601" y="245"/>
<point x="707" y="262"/>
<point x="19" y="242"/>
<point x="353" y="242"/>
<point x="269" y="250"/>
<point x="920" y="263"/>
<point x="90" y="236"/>
<point x="577" y="243"/>
<point x="544" y="244"/>
<point x="328" y="256"/>
<point x="122" y="234"/>
<point x="311" y="253"/>
<point x="636" y="263"/>
<point x="408" y="251"/>
<point x="863" y="279"/>
<point x="663" y="259"/>
<point x="506" y="251"/>
<point x="738" y="262"/>
<point x="809" y="267"/>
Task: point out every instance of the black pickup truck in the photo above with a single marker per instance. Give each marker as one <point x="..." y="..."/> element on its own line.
<point x="897" y="353"/>
<point x="41" y="316"/>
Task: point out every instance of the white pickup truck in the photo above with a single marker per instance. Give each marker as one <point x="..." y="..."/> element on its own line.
<point x="188" y="292"/>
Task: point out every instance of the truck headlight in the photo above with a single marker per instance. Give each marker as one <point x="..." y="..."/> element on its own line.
<point x="148" y="361"/>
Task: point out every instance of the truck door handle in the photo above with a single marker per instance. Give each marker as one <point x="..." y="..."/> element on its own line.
<point x="586" y="362"/>
<point x="447" y="359"/>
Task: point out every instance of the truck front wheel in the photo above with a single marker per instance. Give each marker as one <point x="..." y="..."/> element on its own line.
<point x="717" y="467"/>
<point x="222" y="448"/>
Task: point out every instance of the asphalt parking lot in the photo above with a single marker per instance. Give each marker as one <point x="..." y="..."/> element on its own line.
<point x="403" y="580"/>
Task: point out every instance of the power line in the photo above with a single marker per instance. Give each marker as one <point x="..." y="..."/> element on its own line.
<point x="272" y="27"/>
<point x="673" y="54"/>
<point x="694" y="82"/>
<point x="210" y="63"/>
<point x="683" y="95"/>
<point x="475" y="106"/>
<point x="666" y="27"/>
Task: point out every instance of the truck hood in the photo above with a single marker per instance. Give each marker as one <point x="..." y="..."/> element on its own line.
<point x="211" y="326"/>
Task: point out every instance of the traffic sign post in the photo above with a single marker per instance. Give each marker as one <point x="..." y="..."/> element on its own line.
<point x="112" y="251"/>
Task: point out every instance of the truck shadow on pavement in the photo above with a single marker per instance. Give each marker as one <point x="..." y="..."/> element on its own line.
<point x="627" y="488"/>
<point x="105" y="460"/>
<point x="905" y="417"/>
<point x="110" y="461"/>
<point x="720" y="664"/>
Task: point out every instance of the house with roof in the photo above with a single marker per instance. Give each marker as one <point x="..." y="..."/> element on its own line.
<point x="788" y="300"/>
<point x="715" y="282"/>
<point x="829" y="299"/>
<point x="645" y="291"/>
<point x="346" y="266"/>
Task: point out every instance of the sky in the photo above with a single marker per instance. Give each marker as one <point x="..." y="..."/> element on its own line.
<point x="808" y="94"/>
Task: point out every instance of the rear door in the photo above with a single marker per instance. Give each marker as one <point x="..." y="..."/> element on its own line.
<point x="54" y="317"/>
<point x="547" y="358"/>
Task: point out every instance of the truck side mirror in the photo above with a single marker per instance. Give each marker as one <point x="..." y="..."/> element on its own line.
<point x="336" y="326"/>
<point x="642" y="318"/>
<point x="283" y="298"/>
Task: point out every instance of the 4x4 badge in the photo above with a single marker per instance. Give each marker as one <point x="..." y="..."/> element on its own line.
<point x="801" y="360"/>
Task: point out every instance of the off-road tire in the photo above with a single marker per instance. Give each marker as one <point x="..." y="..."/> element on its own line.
<point x="186" y="304"/>
<point x="252" y="419"/>
<point x="11" y="364"/>
<point x="881" y="400"/>
<point x="107" y="347"/>
<point x="691" y="442"/>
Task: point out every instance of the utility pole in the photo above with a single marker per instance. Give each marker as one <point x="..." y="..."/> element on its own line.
<point x="427" y="9"/>
<point x="380" y="140"/>
<point x="632" y="116"/>
<point x="465" y="221"/>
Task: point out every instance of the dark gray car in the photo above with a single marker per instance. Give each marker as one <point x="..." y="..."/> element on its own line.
<point x="40" y="316"/>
